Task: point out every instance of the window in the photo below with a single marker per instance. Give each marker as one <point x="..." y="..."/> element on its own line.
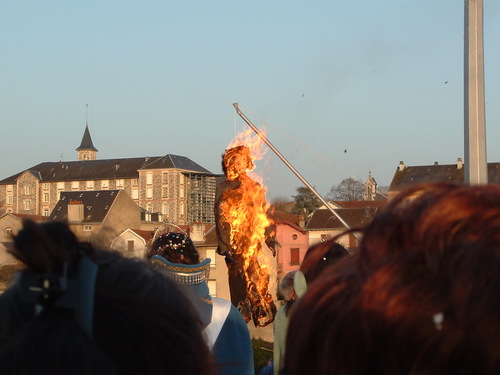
<point x="46" y="197"/>
<point x="294" y="256"/>
<point x="9" y="199"/>
<point x="211" y="254"/>
<point x="212" y="287"/>
<point x="27" y="204"/>
<point x="164" y="192"/>
<point x="46" y="212"/>
<point x="149" y="207"/>
<point x="135" y="182"/>
<point x="46" y="186"/>
<point x="105" y="184"/>
<point x="90" y="185"/>
<point x="164" y="209"/>
<point x="87" y="228"/>
<point x="27" y="190"/>
<point x="181" y="208"/>
<point x="325" y="237"/>
<point x="149" y="179"/>
<point x="181" y="189"/>
<point x="164" y="178"/>
<point x="149" y="193"/>
<point x="294" y="236"/>
<point x="10" y="188"/>
<point x="8" y="232"/>
<point x="135" y="194"/>
<point x="75" y="185"/>
<point x="60" y="186"/>
<point x="119" y="183"/>
<point x="130" y="246"/>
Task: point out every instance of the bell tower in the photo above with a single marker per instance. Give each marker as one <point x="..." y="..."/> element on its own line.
<point x="87" y="151"/>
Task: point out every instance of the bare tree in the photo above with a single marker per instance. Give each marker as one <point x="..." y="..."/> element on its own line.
<point x="281" y="203"/>
<point x="348" y="190"/>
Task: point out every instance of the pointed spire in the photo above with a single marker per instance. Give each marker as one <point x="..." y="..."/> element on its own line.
<point x="86" y="141"/>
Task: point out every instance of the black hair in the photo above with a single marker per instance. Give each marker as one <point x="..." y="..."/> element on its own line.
<point x="176" y="247"/>
<point x="142" y="322"/>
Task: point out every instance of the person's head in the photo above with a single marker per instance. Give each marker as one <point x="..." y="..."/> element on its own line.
<point x="421" y="295"/>
<point x="319" y="256"/>
<point x="286" y="286"/>
<point x="176" y="247"/>
<point x="140" y="321"/>
<point x="236" y="161"/>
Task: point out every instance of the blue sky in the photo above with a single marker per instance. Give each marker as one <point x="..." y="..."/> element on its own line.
<point x="380" y="79"/>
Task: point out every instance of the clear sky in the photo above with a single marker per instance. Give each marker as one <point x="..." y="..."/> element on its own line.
<point x="342" y="87"/>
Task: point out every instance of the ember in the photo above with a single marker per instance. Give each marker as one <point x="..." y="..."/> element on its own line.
<point x="242" y="228"/>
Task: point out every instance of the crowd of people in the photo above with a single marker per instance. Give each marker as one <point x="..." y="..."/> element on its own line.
<point x="419" y="295"/>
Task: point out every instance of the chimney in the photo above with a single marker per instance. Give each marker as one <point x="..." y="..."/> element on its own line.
<point x="75" y="211"/>
<point x="401" y="166"/>
<point x="302" y="221"/>
<point x="460" y="163"/>
<point x="436" y="163"/>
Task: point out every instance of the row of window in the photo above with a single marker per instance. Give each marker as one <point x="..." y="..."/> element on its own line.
<point x="75" y="185"/>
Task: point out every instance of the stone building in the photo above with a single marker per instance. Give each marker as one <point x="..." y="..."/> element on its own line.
<point x="175" y="186"/>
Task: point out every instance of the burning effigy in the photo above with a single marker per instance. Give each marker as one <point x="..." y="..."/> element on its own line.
<point x="242" y="229"/>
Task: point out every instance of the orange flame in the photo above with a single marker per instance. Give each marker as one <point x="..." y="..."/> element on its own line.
<point x="244" y="209"/>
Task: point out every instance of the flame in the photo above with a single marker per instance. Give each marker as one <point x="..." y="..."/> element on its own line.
<point x="244" y="209"/>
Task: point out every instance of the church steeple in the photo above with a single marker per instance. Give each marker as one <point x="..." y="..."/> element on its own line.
<point x="87" y="151"/>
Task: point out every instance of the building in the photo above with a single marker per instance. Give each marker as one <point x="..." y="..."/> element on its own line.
<point x="97" y="216"/>
<point x="175" y="186"/>
<point x="406" y="176"/>
<point x="291" y="241"/>
<point x="10" y="225"/>
<point x="324" y="225"/>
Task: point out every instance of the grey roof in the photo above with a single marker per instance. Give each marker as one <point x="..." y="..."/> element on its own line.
<point x="96" y="204"/>
<point x="411" y="175"/>
<point x="86" y="141"/>
<point x="105" y="169"/>
<point x="175" y="161"/>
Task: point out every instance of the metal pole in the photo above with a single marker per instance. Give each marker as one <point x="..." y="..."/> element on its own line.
<point x="476" y="167"/>
<point x="275" y="150"/>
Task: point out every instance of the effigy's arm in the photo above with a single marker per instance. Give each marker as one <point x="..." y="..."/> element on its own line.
<point x="222" y="227"/>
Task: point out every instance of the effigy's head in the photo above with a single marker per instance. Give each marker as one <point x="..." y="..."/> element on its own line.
<point x="236" y="161"/>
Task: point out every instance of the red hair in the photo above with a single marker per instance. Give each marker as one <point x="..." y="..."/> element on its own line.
<point x="421" y="296"/>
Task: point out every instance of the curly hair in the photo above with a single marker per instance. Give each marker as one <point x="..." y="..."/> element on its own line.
<point x="176" y="247"/>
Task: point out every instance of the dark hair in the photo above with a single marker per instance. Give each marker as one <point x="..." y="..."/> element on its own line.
<point x="176" y="247"/>
<point x="421" y="295"/>
<point x="319" y="256"/>
<point x="142" y="323"/>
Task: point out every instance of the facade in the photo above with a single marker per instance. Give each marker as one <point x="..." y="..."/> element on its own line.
<point x="175" y="186"/>
<point x="206" y="244"/>
<point x="10" y="225"/>
<point x="324" y="225"/>
<point x="292" y="242"/>
<point x="132" y="243"/>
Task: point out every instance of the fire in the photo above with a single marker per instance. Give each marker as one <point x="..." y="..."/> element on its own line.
<point x="243" y="209"/>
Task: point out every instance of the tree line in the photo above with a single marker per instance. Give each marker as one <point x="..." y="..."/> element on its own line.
<point x="305" y="202"/>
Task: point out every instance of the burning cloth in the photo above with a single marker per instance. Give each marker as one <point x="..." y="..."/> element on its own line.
<point x="242" y="228"/>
